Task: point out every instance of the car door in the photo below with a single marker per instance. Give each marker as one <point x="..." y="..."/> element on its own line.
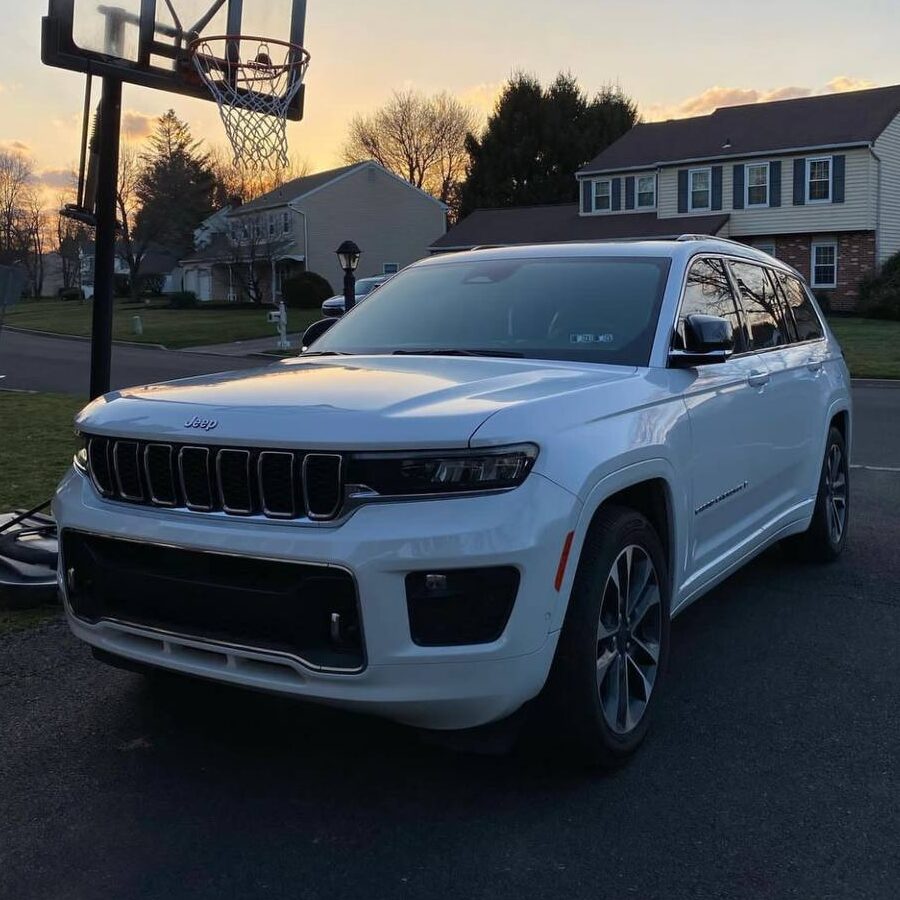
<point x="788" y="417"/>
<point x="726" y="405"/>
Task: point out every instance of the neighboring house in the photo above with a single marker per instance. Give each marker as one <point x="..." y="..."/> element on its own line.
<point x="157" y="262"/>
<point x="815" y="182"/>
<point x="247" y="252"/>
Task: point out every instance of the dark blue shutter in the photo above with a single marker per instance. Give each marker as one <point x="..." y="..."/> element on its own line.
<point x="716" y="187"/>
<point x="587" y="196"/>
<point x="616" y="194"/>
<point x="738" y="201"/>
<point x="629" y="192"/>
<point x="838" y="178"/>
<point x="775" y="183"/>
<point x="682" y="190"/>
<point x="799" y="182"/>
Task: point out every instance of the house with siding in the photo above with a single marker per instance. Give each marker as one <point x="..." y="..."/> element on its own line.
<point x="814" y="181"/>
<point x="248" y="251"/>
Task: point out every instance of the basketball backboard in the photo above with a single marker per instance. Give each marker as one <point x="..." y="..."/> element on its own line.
<point x="147" y="42"/>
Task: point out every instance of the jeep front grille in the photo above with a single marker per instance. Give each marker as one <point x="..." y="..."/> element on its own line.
<point x="277" y="484"/>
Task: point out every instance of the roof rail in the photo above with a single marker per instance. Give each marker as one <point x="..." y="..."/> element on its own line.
<point x="685" y="238"/>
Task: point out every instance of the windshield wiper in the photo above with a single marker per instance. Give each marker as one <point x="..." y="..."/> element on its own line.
<point x="509" y="354"/>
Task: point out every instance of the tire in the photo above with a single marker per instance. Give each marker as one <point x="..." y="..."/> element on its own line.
<point x="582" y="700"/>
<point x="826" y="537"/>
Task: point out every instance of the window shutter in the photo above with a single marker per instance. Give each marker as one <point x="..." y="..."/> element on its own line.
<point x="775" y="183"/>
<point x="799" y="182"/>
<point x="616" y="194"/>
<point x="629" y="192"/>
<point x="739" y="173"/>
<point x="587" y="196"/>
<point x="682" y="190"/>
<point x="838" y="178"/>
<point x="716" y="188"/>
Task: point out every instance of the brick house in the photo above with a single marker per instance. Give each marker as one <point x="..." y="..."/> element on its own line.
<point x="814" y="181"/>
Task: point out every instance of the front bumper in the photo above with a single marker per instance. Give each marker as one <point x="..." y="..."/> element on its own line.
<point x="429" y="687"/>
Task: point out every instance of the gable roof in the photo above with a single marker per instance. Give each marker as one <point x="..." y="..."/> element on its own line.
<point x="832" y="120"/>
<point x="563" y="224"/>
<point x="300" y="187"/>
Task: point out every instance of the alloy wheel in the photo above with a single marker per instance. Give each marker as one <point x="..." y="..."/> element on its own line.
<point x="628" y="639"/>
<point x="836" y="493"/>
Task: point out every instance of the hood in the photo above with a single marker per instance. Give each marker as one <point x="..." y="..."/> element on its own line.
<point x="379" y="402"/>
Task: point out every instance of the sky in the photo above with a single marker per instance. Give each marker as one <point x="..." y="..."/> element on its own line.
<point x="674" y="58"/>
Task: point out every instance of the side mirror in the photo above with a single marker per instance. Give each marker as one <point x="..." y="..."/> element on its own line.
<point x="315" y="331"/>
<point x="708" y="341"/>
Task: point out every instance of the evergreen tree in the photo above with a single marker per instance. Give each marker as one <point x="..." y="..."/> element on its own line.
<point x="536" y="139"/>
<point x="176" y="186"/>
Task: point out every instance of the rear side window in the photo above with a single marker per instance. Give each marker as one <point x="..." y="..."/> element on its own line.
<point x="708" y="293"/>
<point x="761" y="307"/>
<point x="809" y="328"/>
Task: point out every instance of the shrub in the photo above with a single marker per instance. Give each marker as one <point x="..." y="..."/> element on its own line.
<point x="183" y="300"/>
<point x="122" y="286"/>
<point x="152" y="284"/>
<point x="71" y="293"/>
<point x="306" y="291"/>
<point x="879" y="295"/>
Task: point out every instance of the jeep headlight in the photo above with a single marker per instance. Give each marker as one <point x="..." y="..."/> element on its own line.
<point x="81" y="457"/>
<point x="449" y="472"/>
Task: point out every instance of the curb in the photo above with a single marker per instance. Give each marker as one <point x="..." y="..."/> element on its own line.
<point x="78" y="337"/>
<point x="875" y="382"/>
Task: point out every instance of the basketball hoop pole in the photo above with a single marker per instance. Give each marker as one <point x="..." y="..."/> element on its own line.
<point x="105" y="237"/>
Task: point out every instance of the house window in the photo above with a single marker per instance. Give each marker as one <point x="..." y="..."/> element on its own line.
<point x="645" y="190"/>
<point x="818" y="180"/>
<point x="758" y="185"/>
<point x="766" y="248"/>
<point x="824" y="264"/>
<point x="390" y="268"/>
<point x="245" y="231"/>
<point x="286" y="222"/>
<point x="700" y="189"/>
<point x="602" y="196"/>
<point x="272" y="226"/>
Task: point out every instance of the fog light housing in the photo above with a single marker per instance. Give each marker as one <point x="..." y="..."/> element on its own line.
<point x="460" y="607"/>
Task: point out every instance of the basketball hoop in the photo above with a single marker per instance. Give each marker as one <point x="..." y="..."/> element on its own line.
<point x="254" y="94"/>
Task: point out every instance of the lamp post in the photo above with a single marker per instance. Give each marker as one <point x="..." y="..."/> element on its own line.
<point x="348" y="255"/>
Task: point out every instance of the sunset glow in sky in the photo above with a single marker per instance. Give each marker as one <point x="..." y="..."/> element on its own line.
<point x="681" y="58"/>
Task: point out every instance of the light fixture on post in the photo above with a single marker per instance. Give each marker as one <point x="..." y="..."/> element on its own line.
<point x="348" y="255"/>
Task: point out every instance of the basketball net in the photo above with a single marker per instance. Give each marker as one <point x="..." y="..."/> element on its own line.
<point x="254" y="95"/>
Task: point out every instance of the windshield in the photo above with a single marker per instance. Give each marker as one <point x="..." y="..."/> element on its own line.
<point x="601" y="309"/>
<point x="366" y="286"/>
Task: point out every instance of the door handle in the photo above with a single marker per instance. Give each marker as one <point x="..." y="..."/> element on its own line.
<point x="758" y="378"/>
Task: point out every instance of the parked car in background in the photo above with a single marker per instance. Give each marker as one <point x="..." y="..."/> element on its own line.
<point x="333" y="307"/>
<point x="446" y="510"/>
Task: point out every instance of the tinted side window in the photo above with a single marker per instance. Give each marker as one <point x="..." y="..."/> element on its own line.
<point x="708" y="293"/>
<point x="809" y="328"/>
<point x="761" y="307"/>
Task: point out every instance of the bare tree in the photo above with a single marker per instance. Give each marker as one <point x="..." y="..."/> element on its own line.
<point x="254" y="240"/>
<point x="15" y="176"/>
<point x="67" y="239"/>
<point x="234" y="182"/>
<point x="135" y="240"/>
<point x="421" y="139"/>
<point x="34" y="240"/>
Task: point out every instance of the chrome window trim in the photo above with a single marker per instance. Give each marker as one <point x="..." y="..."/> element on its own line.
<point x="153" y="498"/>
<point x="318" y="517"/>
<point x="234" y="511"/>
<point x="184" y="493"/>
<point x="262" y="493"/>
<point x="211" y="642"/>
<point x="137" y="464"/>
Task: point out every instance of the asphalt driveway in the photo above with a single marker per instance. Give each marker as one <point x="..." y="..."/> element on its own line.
<point x="771" y="770"/>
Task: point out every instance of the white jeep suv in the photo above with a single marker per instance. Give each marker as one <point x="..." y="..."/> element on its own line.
<point x="494" y="481"/>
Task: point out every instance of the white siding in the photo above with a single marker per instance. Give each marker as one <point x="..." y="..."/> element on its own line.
<point x="888" y="149"/>
<point x="857" y="213"/>
<point x="391" y="221"/>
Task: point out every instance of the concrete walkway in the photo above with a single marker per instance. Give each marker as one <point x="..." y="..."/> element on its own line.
<point x="245" y="348"/>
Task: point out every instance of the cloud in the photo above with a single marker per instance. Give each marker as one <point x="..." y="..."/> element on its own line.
<point x="482" y="97"/>
<point x="717" y="97"/>
<point x="137" y="125"/>
<point x="15" y="147"/>
<point x="55" y="178"/>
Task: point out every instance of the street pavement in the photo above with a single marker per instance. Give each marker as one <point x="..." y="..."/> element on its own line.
<point x="34" y="362"/>
<point x="771" y="770"/>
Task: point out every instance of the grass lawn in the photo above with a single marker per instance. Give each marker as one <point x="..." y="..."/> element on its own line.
<point x="872" y="346"/>
<point x="37" y="446"/>
<point x="172" y="328"/>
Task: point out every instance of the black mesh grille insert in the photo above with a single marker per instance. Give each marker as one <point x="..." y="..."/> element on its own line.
<point x="233" y="470"/>
<point x="127" y="467"/>
<point x="195" y="478"/>
<point x="98" y="460"/>
<point x="161" y="474"/>
<point x="322" y="485"/>
<point x="276" y="484"/>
